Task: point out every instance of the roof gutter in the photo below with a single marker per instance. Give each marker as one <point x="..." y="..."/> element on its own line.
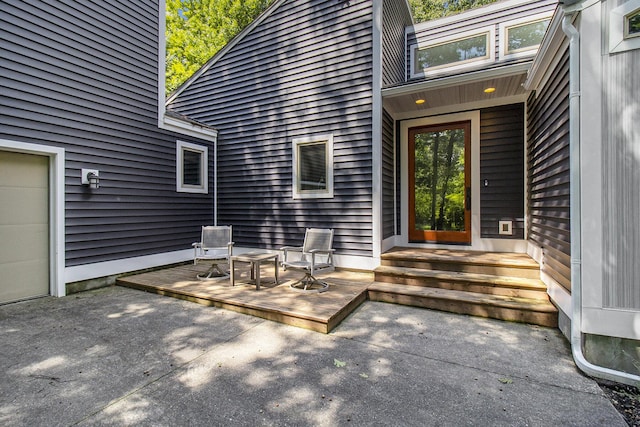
<point x="575" y="209"/>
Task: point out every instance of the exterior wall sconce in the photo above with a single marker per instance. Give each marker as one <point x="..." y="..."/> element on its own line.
<point x="91" y="177"/>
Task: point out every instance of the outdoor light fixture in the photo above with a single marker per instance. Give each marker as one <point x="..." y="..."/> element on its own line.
<point x="419" y="101"/>
<point x="91" y="178"/>
<point x="490" y="90"/>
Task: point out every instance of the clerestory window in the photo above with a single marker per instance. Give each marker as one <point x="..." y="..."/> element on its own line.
<point x="468" y="49"/>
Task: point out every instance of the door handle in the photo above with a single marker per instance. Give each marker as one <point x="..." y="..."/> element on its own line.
<point x="467" y="198"/>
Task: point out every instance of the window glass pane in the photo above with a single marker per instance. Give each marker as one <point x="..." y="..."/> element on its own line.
<point x="633" y="24"/>
<point x="448" y="53"/>
<point x="191" y="167"/>
<point x="312" y="164"/>
<point x="525" y="36"/>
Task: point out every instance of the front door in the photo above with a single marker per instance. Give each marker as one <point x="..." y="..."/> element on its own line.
<point x="440" y="183"/>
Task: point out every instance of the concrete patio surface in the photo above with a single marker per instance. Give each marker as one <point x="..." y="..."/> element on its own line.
<point x="117" y="356"/>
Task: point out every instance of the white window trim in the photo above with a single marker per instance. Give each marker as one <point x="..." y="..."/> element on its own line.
<point x="504" y="41"/>
<point x="181" y="187"/>
<point x="310" y="194"/>
<point x="618" y="41"/>
<point x="455" y="66"/>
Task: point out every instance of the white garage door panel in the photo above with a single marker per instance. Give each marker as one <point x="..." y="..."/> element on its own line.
<point x="24" y="226"/>
<point x="22" y="280"/>
<point x="23" y="243"/>
<point x="25" y="208"/>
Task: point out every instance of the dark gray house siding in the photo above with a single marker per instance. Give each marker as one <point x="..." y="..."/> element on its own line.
<point x="548" y="173"/>
<point x="395" y="17"/>
<point x="305" y="70"/>
<point x="502" y="170"/>
<point x="83" y="76"/>
<point x="388" y="176"/>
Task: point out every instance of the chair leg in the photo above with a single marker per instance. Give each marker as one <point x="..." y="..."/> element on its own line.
<point x="309" y="284"/>
<point x="215" y="272"/>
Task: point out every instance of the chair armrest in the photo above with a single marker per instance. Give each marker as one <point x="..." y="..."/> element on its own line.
<point x="291" y="248"/>
<point x="320" y="251"/>
<point x="287" y="249"/>
<point x="196" y="245"/>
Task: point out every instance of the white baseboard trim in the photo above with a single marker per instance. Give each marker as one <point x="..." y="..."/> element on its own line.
<point x="108" y="268"/>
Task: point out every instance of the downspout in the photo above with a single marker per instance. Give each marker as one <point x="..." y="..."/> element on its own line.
<point x="575" y="213"/>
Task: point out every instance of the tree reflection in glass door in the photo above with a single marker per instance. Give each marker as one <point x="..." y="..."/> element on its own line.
<point x="439" y="183"/>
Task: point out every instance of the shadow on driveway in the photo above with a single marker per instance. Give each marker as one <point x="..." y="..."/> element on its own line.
<point x="120" y="356"/>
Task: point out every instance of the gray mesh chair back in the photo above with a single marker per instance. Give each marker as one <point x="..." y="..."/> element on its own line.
<point x="315" y="255"/>
<point x="216" y="237"/>
<point x="216" y="246"/>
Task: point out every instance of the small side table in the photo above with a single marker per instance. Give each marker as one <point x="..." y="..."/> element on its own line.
<point x="254" y="259"/>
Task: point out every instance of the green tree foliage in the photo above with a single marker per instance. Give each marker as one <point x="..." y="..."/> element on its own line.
<point x="439" y="180"/>
<point x="426" y="10"/>
<point x="197" y="29"/>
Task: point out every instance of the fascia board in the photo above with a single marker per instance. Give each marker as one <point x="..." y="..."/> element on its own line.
<point x="456" y="79"/>
<point x="551" y="43"/>
<point x="468" y="15"/>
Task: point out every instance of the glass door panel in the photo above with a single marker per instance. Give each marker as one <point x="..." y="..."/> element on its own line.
<point x="439" y="183"/>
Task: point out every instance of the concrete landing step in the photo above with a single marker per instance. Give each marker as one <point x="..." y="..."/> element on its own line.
<point x="463" y="281"/>
<point x="523" y="310"/>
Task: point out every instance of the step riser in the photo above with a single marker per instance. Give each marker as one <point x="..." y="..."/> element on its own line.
<point x="525" y="273"/>
<point x="461" y="286"/>
<point x="461" y="307"/>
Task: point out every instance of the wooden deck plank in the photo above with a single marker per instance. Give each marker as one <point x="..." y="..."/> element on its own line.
<point x="316" y="311"/>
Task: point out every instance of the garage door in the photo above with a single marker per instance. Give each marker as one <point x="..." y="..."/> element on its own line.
<point x="24" y="226"/>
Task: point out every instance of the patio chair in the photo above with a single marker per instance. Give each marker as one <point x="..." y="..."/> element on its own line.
<point x="313" y="256"/>
<point x="216" y="246"/>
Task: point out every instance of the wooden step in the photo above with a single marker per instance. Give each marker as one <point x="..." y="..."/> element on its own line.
<point x="472" y="282"/>
<point x="523" y="310"/>
<point x="495" y="263"/>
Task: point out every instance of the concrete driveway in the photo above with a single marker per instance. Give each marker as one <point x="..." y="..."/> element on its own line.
<point x="118" y="356"/>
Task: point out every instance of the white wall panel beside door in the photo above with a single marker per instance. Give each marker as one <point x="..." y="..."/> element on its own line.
<point x="24" y="226"/>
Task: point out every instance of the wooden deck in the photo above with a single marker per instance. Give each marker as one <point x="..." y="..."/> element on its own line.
<point x="320" y="312"/>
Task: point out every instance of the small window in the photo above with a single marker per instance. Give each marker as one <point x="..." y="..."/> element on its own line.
<point x="632" y="24"/>
<point x="462" y="51"/>
<point x="192" y="176"/>
<point x="624" y="27"/>
<point x="313" y="167"/>
<point x="523" y="36"/>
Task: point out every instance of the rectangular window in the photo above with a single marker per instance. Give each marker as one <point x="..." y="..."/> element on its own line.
<point x="461" y="51"/>
<point x="624" y="27"/>
<point x="191" y="170"/>
<point x="523" y="36"/>
<point x="632" y="24"/>
<point x="313" y="167"/>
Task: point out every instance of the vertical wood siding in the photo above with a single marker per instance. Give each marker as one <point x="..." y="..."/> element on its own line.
<point x="621" y="180"/>
<point x="427" y="34"/>
<point x="502" y="166"/>
<point x="388" y="178"/>
<point x="305" y="70"/>
<point x="396" y="17"/>
<point x="548" y="172"/>
<point x="83" y="76"/>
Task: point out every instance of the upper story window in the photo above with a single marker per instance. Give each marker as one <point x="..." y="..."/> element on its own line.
<point x="632" y="24"/>
<point x="522" y="37"/>
<point x="624" y="27"/>
<point x="461" y="51"/>
<point x="313" y="167"/>
<point x="191" y="168"/>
